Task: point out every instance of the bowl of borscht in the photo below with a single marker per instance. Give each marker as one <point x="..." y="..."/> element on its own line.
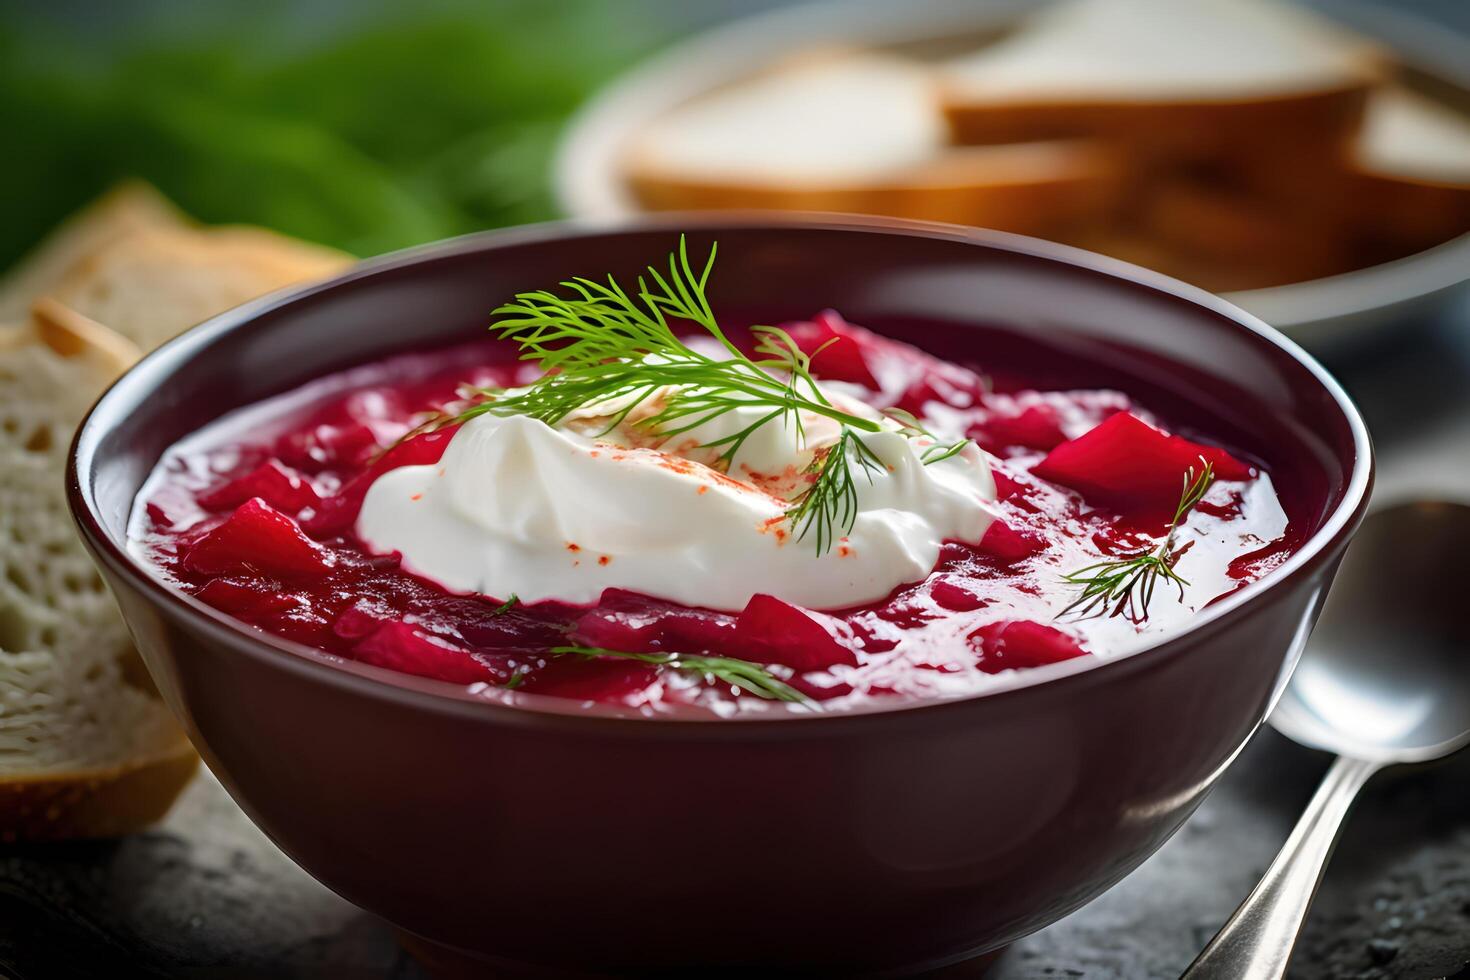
<point x="731" y="592"/>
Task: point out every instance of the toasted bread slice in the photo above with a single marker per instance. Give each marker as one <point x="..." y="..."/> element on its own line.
<point x="86" y="746"/>
<point x="1226" y="239"/>
<point x="1169" y="80"/>
<point x="155" y="283"/>
<point x="130" y="207"/>
<point x="859" y="132"/>
<point x="70" y="334"/>
<point x="1413" y="166"/>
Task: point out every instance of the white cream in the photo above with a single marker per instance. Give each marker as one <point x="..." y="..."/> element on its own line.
<point x="516" y="506"/>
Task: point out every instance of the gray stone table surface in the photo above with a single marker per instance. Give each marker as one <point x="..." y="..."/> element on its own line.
<point x="206" y="895"/>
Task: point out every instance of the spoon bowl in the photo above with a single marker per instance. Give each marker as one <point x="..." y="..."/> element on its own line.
<point x="1386" y="676"/>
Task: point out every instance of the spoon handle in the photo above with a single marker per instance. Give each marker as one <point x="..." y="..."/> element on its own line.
<point x="1256" y="943"/>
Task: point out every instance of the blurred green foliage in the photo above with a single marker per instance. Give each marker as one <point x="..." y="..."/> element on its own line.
<point x="368" y="127"/>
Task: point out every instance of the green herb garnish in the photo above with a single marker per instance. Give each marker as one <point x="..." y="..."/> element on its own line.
<point x="1127" y="584"/>
<point x="748" y="676"/>
<point x="913" y="427"/>
<point x="832" y="500"/>
<point x="602" y="345"/>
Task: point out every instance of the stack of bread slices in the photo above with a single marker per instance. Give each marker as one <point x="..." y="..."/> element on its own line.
<point x="1221" y="140"/>
<point x="86" y="747"/>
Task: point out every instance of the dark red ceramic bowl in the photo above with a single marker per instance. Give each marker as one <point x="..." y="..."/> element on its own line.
<point x="542" y="832"/>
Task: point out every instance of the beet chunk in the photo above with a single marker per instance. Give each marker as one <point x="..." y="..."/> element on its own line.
<point x="1010" y="542"/>
<point x="248" y="600"/>
<point x="836" y="353"/>
<point x="338" y="513"/>
<point x="323" y="446"/>
<point x="1037" y="427"/>
<point x="258" y="537"/>
<point x="398" y="646"/>
<point x="770" y="631"/>
<point x="356" y="622"/>
<point x="634" y="623"/>
<point x="1015" y="644"/>
<point x="605" y="679"/>
<point x="278" y="485"/>
<point x="1126" y="463"/>
<point x="956" y="598"/>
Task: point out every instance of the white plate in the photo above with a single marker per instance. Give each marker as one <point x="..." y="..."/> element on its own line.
<point x="1321" y="314"/>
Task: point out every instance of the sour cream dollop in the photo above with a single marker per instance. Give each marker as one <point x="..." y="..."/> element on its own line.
<point x="517" y="506"/>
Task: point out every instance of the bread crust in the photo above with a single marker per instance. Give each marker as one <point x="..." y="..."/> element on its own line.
<point x="1078" y="185"/>
<point x="1164" y="130"/>
<point x="100" y="803"/>
<point x="1403" y="215"/>
<point x="156" y="282"/>
<point x="70" y="334"/>
<point x="127" y="208"/>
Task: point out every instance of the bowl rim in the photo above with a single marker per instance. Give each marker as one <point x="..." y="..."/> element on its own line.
<point x="777" y="719"/>
<point x="585" y="186"/>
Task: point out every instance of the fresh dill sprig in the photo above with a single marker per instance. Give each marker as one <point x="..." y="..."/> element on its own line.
<point x="1127" y="584"/>
<point x="832" y="500"/>
<point x="912" y="427"/>
<point x="506" y="606"/>
<point x="602" y="344"/>
<point x="744" y="674"/>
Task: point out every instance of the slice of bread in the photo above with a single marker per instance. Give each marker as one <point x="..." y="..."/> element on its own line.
<point x="131" y="206"/>
<point x="70" y="334"/>
<point x="1225" y="239"/>
<point x="155" y="283"/>
<point x="1170" y="79"/>
<point x="859" y="132"/>
<point x="86" y="746"/>
<point x="1413" y="164"/>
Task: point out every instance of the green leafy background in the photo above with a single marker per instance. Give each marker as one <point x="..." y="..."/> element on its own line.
<point x="368" y="126"/>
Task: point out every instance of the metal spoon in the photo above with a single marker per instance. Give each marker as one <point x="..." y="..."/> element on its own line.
<point x="1385" y="680"/>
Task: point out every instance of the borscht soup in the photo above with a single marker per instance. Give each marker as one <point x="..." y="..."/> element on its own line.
<point x="628" y="493"/>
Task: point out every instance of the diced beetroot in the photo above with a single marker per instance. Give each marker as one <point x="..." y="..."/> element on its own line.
<point x="820" y="692"/>
<point x="248" y="600"/>
<point x="171" y="507"/>
<point x="336" y="514"/>
<point x="1011" y="542"/>
<point x="775" y="632"/>
<point x="283" y="488"/>
<point x="836" y="353"/>
<point x="421" y="450"/>
<point x="398" y="646"/>
<point x="1007" y="487"/>
<point x="945" y="383"/>
<point x="357" y="622"/>
<point x="1037" y="427"/>
<point x="606" y="679"/>
<point x="630" y="622"/>
<point x="1015" y="644"/>
<point x="1126" y="463"/>
<point x="369" y="405"/>
<point x="325" y="445"/>
<point x="954" y="597"/>
<point x="482" y="622"/>
<point x="259" y="537"/>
